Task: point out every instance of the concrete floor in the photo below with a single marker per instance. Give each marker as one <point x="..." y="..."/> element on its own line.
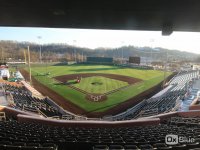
<point x="193" y="94"/>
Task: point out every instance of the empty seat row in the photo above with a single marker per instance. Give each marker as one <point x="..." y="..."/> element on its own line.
<point x="23" y="135"/>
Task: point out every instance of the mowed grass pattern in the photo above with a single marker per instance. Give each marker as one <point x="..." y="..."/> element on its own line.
<point x="99" y="84"/>
<point x="150" y="78"/>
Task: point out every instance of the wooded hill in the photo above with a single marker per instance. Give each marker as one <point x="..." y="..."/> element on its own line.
<point x="13" y="50"/>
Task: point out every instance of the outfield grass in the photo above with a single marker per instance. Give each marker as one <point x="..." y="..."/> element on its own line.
<point x="99" y="84"/>
<point x="150" y="78"/>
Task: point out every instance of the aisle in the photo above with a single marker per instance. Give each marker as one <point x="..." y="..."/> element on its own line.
<point x="3" y="101"/>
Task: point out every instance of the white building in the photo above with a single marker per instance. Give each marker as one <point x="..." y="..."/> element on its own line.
<point x="4" y="73"/>
<point x="196" y="67"/>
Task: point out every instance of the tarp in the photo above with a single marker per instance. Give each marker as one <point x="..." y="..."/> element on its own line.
<point x="18" y="75"/>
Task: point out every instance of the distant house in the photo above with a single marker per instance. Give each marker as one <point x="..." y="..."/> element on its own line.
<point x="196" y="67"/>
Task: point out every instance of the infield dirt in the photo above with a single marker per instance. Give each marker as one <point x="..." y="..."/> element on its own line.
<point x="127" y="79"/>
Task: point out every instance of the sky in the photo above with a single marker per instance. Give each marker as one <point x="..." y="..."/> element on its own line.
<point x="91" y="38"/>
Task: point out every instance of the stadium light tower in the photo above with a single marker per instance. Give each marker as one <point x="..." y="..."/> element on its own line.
<point x="29" y="65"/>
<point x="122" y="52"/>
<point x="151" y="43"/>
<point x="165" y="68"/>
<point x="39" y="37"/>
<point x="2" y="56"/>
<point x="74" y="42"/>
<point x="82" y="55"/>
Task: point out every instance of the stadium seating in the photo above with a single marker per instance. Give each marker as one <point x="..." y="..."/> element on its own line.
<point x="29" y="103"/>
<point x="169" y="101"/>
<point x="14" y="89"/>
<point x="36" y="133"/>
<point x="24" y="101"/>
<point x="23" y="128"/>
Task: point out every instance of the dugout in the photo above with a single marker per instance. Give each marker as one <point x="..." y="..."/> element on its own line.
<point x="100" y="60"/>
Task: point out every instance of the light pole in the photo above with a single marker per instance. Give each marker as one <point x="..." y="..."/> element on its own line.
<point x="74" y="41"/>
<point x="82" y="56"/>
<point x="122" y="53"/>
<point x="165" y="68"/>
<point x="151" y="41"/>
<point x="2" y="57"/>
<point x="29" y="65"/>
<point x="39" y="37"/>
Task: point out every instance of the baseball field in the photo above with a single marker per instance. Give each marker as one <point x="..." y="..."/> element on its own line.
<point x="101" y="87"/>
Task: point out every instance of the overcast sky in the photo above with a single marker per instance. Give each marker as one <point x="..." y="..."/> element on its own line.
<point x="184" y="41"/>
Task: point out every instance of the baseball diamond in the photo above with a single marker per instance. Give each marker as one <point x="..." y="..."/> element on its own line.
<point x="99" y="83"/>
<point x="102" y="88"/>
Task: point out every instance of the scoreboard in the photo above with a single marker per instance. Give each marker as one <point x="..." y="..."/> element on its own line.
<point x="134" y="60"/>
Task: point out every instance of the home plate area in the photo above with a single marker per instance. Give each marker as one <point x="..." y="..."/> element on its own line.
<point x="96" y="97"/>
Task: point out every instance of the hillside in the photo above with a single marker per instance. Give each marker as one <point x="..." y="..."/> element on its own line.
<point x="14" y="50"/>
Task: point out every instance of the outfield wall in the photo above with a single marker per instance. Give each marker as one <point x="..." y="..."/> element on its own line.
<point x="100" y="60"/>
